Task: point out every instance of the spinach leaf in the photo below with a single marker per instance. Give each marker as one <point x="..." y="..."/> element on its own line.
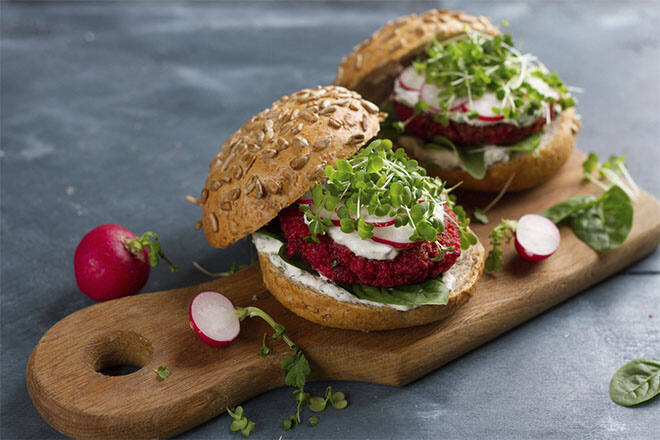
<point x="472" y="158"/>
<point x="296" y="261"/>
<point x="605" y="225"/>
<point x="430" y="292"/>
<point x="528" y="144"/>
<point x="563" y="210"/>
<point x="636" y="382"/>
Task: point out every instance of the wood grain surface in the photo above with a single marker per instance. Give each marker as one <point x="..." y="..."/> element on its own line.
<point x="150" y="330"/>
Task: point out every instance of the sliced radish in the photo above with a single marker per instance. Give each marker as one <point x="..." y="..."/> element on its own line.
<point x="394" y="244"/>
<point x="429" y="94"/>
<point x="462" y="107"/>
<point x="491" y="118"/>
<point x="213" y="319"/>
<point x="536" y="237"/>
<point x="305" y="201"/>
<point x="409" y="79"/>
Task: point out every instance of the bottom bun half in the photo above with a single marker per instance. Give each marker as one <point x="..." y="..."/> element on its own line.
<point x="529" y="169"/>
<point x="325" y="310"/>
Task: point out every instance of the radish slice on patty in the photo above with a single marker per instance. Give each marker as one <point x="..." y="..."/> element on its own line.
<point x="409" y="79"/>
<point x="429" y="94"/>
<point x="395" y="244"/>
<point x="213" y="319"/>
<point x="536" y="237"/>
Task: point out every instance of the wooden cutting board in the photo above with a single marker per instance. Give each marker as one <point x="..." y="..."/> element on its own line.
<point x="152" y="329"/>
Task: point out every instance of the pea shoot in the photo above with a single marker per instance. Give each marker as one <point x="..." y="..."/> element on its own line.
<point x="383" y="182"/>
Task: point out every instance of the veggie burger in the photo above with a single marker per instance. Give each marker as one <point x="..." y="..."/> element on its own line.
<point x="470" y="106"/>
<point x="350" y="232"/>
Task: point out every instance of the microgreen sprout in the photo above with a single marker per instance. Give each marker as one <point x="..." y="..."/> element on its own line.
<point x="614" y="172"/>
<point x="264" y="350"/>
<point x="240" y="422"/>
<point x="480" y="214"/>
<point x="295" y="366"/>
<point x="383" y="182"/>
<point x="162" y="372"/>
<point x="232" y="270"/>
<point x="474" y="64"/>
<point x="500" y="235"/>
<point x="149" y="241"/>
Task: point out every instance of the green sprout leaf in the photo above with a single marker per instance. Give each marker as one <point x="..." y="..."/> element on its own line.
<point x="162" y="372"/>
<point x="265" y="350"/>
<point x="480" y="215"/>
<point x="149" y="242"/>
<point x="500" y="235"/>
<point x="313" y="420"/>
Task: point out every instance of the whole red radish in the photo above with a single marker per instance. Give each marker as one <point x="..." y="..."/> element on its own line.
<point x="536" y="237"/>
<point x="213" y="318"/>
<point x="111" y="261"/>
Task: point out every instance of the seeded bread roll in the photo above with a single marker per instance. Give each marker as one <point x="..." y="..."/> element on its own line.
<point x="278" y="155"/>
<point x="374" y="64"/>
<point x="328" y="311"/>
<point x="529" y="169"/>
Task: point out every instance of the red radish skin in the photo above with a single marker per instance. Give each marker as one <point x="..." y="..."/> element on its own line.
<point x="536" y="237"/>
<point x="395" y="244"/>
<point x="105" y="269"/>
<point x="213" y="319"/>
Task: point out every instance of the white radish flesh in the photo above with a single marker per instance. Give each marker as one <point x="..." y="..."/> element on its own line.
<point x="409" y="79"/>
<point x="536" y="237"/>
<point x="429" y="95"/>
<point x="213" y="319"/>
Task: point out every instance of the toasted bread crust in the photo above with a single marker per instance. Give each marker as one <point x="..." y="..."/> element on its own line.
<point x="280" y="154"/>
<point x="374" y="64"/>
<point x="529" y="169"/>
<point x="326" y="310"/>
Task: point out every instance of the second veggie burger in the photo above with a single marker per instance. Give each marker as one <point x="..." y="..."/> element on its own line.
<point x="350" y="233"/>
<point x="473" y="108"/>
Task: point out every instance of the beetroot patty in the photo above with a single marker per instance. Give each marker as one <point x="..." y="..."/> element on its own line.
<point x="460" y="133"/>
<point x="338" y="263"/>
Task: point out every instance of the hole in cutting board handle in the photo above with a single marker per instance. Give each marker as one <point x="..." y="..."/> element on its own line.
<point x="119" y="353"/>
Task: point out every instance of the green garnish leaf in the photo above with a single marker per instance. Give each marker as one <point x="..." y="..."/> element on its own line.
<point x="296" y="368"/>
<point x="429" y="292"/>
<point x="527" y="144"/>
<point x="240" y="422"/>
<point x="636" y="382"/>
<point x="313" y="420"/>
<point x="149" y="242"/>
<point x="265" y="349"/>
<point x="604" y="225"/>
<point x="162" y="372"/>
<point x="472" y="158"/>
<point x="317" y="404"/>
<point x="480" y="215"/>
<point x="500" y="234"/>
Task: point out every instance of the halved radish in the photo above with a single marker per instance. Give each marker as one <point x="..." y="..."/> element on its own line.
<point x="212" y="317"/>
<point x="409" y="79"/>
<point x="536" y="237"/>
<point x="305" y="201"/>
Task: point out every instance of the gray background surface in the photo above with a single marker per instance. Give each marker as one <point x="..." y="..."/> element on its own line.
<point x="111" y="113"/>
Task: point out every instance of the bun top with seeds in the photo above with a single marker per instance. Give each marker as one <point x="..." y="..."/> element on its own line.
<point x="372" y="66"/>
<point x="278" y="155"/>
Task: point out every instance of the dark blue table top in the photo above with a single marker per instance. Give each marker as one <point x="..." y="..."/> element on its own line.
<point x="111" y="113"/>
